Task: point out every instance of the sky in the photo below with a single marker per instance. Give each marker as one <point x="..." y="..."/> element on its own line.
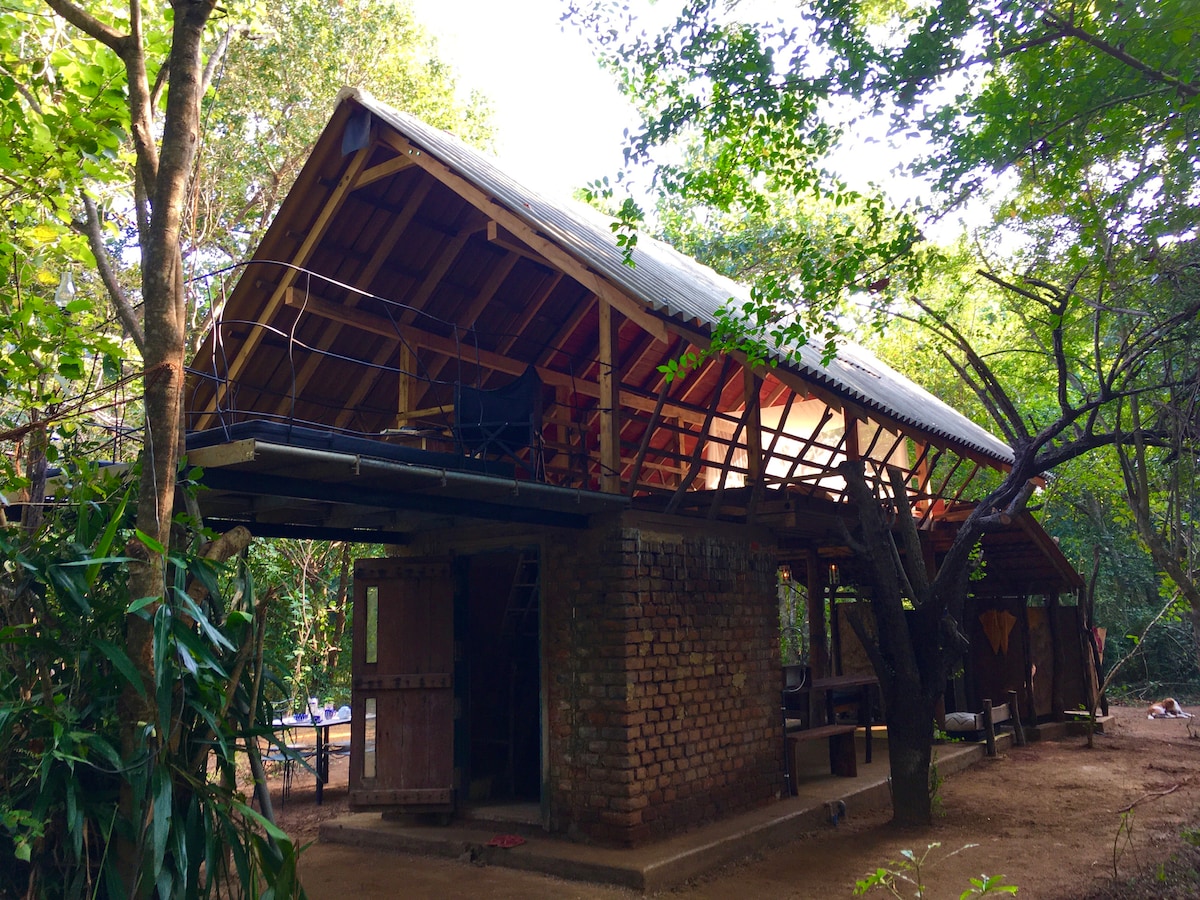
<point x="559" y="118"/>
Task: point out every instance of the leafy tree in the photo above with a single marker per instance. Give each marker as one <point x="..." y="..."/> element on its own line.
<point x="307" y="626"/>
<point x="1161" y="490"/>
<point x="103" y="114"/>
<point x="746" y="141"/>
<point x="1087" y="109"/>
<point x="271" y="96"/>
<point x="64" y="601"/>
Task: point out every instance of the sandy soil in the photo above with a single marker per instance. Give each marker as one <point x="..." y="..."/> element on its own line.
<point x="1049" y="817"/>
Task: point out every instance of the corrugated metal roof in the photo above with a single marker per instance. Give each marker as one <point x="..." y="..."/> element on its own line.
<point x="680" y="288"/>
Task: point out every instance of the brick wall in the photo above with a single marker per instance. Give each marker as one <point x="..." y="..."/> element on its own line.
<point x="662" y="655"/>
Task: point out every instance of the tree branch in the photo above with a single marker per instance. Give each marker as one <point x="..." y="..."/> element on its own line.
<point x="1068" y="29"/>
<point x="979" y="365"/>
<point x="92" y="27"/>
<point x="124" y="310"/>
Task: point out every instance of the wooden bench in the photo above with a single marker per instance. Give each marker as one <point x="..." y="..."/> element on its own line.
<point x="984" y="724"/>
<point x="843" y="759"/>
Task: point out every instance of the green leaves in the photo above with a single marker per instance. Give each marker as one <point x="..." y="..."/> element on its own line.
<point x="58" y="727"/>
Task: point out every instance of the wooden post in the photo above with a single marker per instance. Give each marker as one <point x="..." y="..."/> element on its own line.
<point x="404" y="398"/>
<point x="1057" y="659"/>
<point x="610" y="401"/>
<point x="1027" y="659"/>
<point x="850" y="424"/>
<point x="1014" y="709"/>
<point x="754" y="450"/>
<point x="989" y="728"/>
<point x="818" y="649"/>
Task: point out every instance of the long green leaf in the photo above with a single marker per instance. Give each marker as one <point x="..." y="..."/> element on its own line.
<point x="120" y="659"/>
<point x="160" y="823"/>
<point x="153" y="545"/>
<point x="106" y="539"/>
<point x="141" y="604"/>
<point x="202" y="620"/>
<point x="202" y="653"/>
<point x="69" y="587"/>
<point x="98" y="560"/>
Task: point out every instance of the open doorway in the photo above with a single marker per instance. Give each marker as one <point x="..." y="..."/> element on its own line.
<point x="500" y="636"/>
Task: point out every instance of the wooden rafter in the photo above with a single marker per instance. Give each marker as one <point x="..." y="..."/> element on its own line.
<point x="879" y="431"/>
<point x="477" y="305"/>
<point x="448" y="253"/>
<point x="555" y="254"/>
<point x="565" y="330"/>
<point x="727" y="464"/>
<point x="532" y="307"/>
<point x="655" y="419"/>
<point x="805" y="445"/>
<point x="274" y="303"/>
<point x="696" y="461"/>
<point x="396" y="228"/>
<point x="423" y="339"/>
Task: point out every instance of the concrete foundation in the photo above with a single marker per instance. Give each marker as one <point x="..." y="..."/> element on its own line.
<point x="659" y="865"/>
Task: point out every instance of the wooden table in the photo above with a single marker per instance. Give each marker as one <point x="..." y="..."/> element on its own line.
<point x="860" y="684"/>
<point x="321" y="728"/>
<point x="839" y="735"/>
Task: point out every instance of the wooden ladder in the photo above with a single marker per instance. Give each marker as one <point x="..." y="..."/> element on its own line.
<point x="521" y="613"/>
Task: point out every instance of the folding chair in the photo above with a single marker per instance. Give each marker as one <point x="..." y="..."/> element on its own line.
<point x="504" y="422"/>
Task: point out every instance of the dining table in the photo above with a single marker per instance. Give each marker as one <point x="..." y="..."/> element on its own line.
<point x="320" y="721"/>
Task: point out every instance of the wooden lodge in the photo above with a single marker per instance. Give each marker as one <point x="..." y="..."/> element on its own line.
<point x="581" y="605"/>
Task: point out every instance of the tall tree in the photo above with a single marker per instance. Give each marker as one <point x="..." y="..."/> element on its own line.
<point x="271" y="95"/>
<point x="1089" y="110"/>
<point x="164" y="148"/>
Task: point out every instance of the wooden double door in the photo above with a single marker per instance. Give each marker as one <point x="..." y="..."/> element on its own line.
<point x="433" y="728"/>
<point x="402" y="693"/>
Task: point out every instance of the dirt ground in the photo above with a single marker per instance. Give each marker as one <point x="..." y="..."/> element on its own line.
<point x="1050" y="817"/>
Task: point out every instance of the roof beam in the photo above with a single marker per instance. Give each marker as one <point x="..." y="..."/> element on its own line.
<point x="418" y="338"/>
<point x="397" y="226"/>
<point x="383" y="170"/>
<point x="256" y="483"/>
<point x="473" y="311"/>
<point x="246" y="352"/>
<point x="556" y="255"/>
<point x="450" y="251"/>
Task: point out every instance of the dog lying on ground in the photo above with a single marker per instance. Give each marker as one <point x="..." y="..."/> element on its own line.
<point x="1167" y="709"/>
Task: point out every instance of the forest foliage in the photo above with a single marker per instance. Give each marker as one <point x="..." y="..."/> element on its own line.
<point x="1070" y="318"/>
<point x="137" y="664"/>
<point x="139" y="671"/>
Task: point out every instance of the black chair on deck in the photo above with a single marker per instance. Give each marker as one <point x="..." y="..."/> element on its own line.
<point x="502" y="423"/>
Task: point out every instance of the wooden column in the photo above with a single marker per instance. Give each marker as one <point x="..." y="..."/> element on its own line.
<point x="681" y="447"/>
<point x="818" y="648"/>
<point x="1027" y="660"/>
<point x="564" y="433"/>
<point x="754" y="450"/>
<point x="404" y="398"/>
<point x="610" y="401"/>
<point x="1057" y="659"/>
<point x="850" y="424"/>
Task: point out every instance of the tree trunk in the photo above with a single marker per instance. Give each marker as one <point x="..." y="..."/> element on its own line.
<point x="910" y="749"/>
<point x="339" y="615"/>
<point x="165" y="323"/>
<point x="912" y="651"/>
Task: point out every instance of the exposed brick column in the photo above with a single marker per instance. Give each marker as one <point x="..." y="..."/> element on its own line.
<point x="663" y="657"/>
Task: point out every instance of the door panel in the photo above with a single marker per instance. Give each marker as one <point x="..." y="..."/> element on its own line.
<point x="403" y="664"/>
